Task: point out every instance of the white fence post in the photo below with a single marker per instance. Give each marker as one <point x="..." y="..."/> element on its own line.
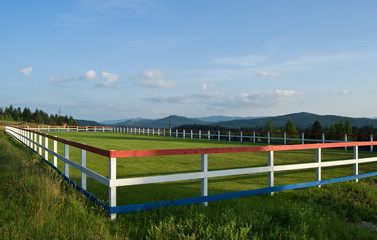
<point x="285" y="138"/>
<point x="319" y="160"/>
<point x="112" y="187"/>
<point x="28" y="141"/>
<point x="270" y="163"/>
<point x="200" y="134"/>
<point x="66" y="165"/>
<point x="46" y="146"/>
<point x="83" y="164"/>
<point x="229" y="135"/>
<point x="323" y="137"/>
<point x="371" y="146"/>
<point x="184" y="133"/>
<point x="356" y="165"/>
<point x="241" y="136"/>
<point x="253" y="136"/>
<point x="302" y="138"/>
<point x="40" y="147"/>
<point x="209" y="135"/>
<point x="204" y="181"/>
<point x="55" y="151"/>
<point x="345" y="140"/>
<point x="268" y="138"/>
<point x="176" y="133"/>
<point x="191" y="134"/>
<point x="34" y="138"/>
<point x="218" y="135"/>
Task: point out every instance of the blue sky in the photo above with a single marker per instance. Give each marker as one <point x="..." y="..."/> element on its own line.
<point x="115" y="59"/>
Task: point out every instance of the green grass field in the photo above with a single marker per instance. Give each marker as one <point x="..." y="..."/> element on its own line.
<point x="151" y="166"/>
<point x="346" y="210"/>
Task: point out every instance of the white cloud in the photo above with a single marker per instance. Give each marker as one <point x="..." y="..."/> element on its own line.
<point x="268" y="74"/>
<point x="26" y="71"/>
<point x="90" y="74"/>
<point x="251" y="60"/>
<point x="62" y="79"/>
<point x="339" y="93"/>
<point x="111" y="79"/>
<point x="153" y="78"/>
<point x="223" y="101"/>
<point x="170" y="99"/>
<point x="285" y="93"/>
<point x="206" y="86"/>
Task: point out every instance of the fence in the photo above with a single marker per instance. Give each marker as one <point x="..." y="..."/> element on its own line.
<point x="34" y="140"/>
<point x="253" y="136"/>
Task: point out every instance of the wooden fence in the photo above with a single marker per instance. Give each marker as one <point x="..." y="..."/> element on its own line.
<point x="38" y="142"/>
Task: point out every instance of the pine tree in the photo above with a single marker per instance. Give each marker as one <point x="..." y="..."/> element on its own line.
<point x="290" y="126"/>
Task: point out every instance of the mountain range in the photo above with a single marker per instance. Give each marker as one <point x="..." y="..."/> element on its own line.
<point x="302" y="120"/>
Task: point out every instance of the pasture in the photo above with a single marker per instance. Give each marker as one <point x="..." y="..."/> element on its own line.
<point x="163" y="165"/>
<point x="344" y="210"/>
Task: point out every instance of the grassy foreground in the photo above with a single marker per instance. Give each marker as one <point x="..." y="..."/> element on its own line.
<point x="36" y="204"/>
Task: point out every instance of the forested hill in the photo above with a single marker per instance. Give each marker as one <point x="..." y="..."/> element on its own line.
<point x="174" y="121"/>
<point x="38" y="116"/>
<point x="301" y="120"/>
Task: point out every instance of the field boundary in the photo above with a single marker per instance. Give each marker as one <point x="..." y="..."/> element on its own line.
<point x="34" y="141"/>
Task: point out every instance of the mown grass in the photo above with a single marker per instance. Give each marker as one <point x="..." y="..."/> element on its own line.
<point x="36" y="204"/>
<point x="150" y="166"/>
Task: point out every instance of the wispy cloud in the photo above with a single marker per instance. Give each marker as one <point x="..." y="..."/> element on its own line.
<point x="250" y="60"/>
<point x="62" y="79"/>
<point x="26" y="71"/>
<point x="169" y="99"/>
<point x="104" y="5"/>
<point x="206" y="86"/>
<point x="268" y="74"/>
<point x="111" y="79"/>
<point x="306" y="62"/>
<point x="153" y="79"/>
<point x="225" y="101"/>
<point x="339" y="93"/>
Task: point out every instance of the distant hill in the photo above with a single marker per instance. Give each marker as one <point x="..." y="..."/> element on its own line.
<point x="88" y="123"/>
<point x="161" y="123"/>
<point x="222" y="118"/>
<point x="113" y="122"/>
<point x="301" y="120"/>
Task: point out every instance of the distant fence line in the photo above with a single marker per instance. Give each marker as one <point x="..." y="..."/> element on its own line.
<point x="252" y="136"/>
<point x="38" y="142"/>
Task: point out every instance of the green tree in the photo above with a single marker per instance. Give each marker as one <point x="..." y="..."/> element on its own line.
<point x="26" y="115"/>
<point x="290" y="126"/>
<point x="270" y="127"/>
<point x="317" y="129"/>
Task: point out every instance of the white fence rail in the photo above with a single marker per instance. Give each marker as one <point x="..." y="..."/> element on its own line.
<point x="34" y="140"/>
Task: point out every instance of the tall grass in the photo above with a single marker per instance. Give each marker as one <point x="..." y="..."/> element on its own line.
<point x="36" y="204"/>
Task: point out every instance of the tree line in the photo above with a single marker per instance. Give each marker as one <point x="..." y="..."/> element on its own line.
<point x="336" y="131"/>
<point x="38" y="116"/>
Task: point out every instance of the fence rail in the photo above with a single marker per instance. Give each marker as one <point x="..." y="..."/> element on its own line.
<point x="252" y="136"/>
<point x="34" y="140"/>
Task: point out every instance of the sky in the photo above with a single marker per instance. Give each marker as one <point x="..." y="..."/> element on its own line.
<point x="117" y="59"/>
